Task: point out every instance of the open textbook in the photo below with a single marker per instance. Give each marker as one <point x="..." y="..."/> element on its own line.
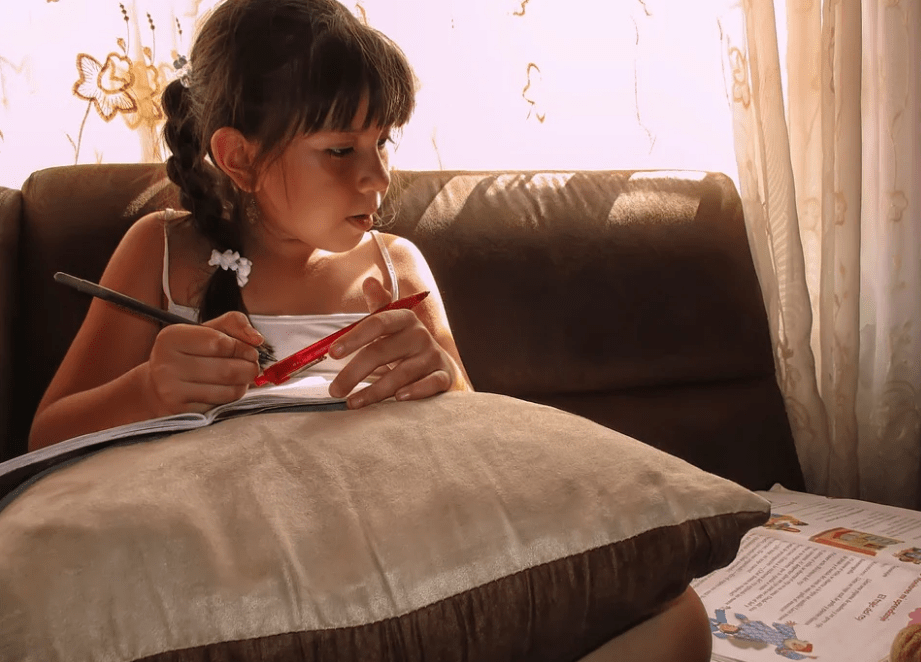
<point x="823" y="579"/>
<point x="309" y="392"/>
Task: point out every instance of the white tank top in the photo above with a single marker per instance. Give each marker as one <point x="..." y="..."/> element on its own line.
<point x="288" y="334"/>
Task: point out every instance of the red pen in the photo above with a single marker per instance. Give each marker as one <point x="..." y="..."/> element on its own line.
<point x="280" y="372"/>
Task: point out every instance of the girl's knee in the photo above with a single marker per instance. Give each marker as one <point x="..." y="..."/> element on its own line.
<point x="692" y="628"/>
<point x="678" y="633"/>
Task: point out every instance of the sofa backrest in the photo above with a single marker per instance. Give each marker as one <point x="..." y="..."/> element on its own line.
<point x="10" y="223"/>
<point x="72" y="219"/>
<point x="627" y="297"/>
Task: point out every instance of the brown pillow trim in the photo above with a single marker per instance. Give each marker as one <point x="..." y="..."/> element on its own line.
<point x="554" y="611"/>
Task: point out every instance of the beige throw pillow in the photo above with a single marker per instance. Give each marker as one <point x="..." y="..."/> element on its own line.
<point x="468" y="526"/>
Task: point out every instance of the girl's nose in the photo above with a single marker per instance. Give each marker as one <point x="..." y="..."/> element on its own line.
<point x="376" y="175"/>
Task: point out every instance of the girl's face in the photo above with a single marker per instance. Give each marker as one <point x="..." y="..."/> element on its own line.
<point x="322" y="191"/>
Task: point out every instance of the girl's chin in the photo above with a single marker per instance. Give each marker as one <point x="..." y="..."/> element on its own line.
<point x="342" y="242"/>
<point x="335" y="238"/>
<point x="363" y="223"/>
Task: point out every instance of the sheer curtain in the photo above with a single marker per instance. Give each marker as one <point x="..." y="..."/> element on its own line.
<point x="817" y="122"/>
<point x="831" y="182"/>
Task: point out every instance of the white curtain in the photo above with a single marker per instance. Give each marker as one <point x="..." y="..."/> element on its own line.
<point x="831" y="182"/>
<point x="811" y="106"/>
<point x="889" y="385"/>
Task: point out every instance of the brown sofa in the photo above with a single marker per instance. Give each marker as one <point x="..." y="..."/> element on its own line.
<point x="627" y="297"/>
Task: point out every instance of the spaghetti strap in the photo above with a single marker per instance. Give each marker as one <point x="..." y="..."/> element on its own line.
<point x="390" y="270"/>
<point x="190" y="313"/>
<point x="169" y="297"/>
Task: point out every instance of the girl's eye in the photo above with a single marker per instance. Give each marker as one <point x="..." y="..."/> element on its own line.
<point x="383" y="142"/>
<point x="340" y="151"/>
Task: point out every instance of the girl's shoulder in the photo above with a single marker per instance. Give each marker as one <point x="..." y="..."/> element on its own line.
<point x="160" y="222"/>
<point x="170" y="239"/>
<point x="172" y="228"/>
<point x="145" y="234"/>
<point x="408" y="262"/>
<point x="135" y="266"/>
<point x="402" y="251"/>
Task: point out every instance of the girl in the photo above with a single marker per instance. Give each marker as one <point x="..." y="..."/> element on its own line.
<point x="278" y="126"/>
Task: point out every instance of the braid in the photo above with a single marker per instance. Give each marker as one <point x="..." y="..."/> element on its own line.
<point x="201" y="192"/>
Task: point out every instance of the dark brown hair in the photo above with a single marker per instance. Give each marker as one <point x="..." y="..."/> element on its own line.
<point x="273" y="70"/>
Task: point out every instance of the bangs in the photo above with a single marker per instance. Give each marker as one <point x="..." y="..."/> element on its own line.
<point x="325" y="90"/>
<point x="373" y="68"/>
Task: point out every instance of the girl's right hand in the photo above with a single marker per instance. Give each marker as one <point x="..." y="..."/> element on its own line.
<point x="193" y="368"/>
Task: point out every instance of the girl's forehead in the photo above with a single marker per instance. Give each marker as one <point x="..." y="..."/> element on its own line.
<point x="357" y="123"/>
<point x="354" y="132"/>
<point x="356" y="126"/>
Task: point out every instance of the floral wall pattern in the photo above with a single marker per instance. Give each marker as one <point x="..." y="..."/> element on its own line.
<point x="503" y="83"/>
<point x="80" y="80"/>
<point x="119" y="84"/>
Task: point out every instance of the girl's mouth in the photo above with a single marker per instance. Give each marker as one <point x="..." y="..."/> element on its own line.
<point x="362" y="221"/>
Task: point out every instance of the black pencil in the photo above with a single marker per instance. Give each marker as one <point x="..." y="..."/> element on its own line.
<point x="128" y="303"/>
<point x="139" y="307"/>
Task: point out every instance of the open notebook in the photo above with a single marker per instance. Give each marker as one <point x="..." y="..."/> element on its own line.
<point x="308" y="393"/>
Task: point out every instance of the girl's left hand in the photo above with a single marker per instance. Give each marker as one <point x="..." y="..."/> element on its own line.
<point x="396" y="345"/>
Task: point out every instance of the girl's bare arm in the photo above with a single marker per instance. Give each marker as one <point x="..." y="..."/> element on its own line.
<point x="107" y="377"/>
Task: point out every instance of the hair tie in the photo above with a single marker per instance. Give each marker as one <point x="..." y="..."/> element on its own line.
<point x="183" y="70"/>
<point x="231" y="261"/>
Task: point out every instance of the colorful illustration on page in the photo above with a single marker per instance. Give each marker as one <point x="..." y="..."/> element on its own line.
<point x="910" y="555"/>
<point x="855" y="541"/>
<point x="914" y="618"/>
<point x="784" y="523"/>
<point x="746" y="633"/>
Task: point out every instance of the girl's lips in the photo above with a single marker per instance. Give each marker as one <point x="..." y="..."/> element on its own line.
<point x="362" y="221"/>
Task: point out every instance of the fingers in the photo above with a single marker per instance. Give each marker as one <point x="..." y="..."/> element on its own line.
<point x="371" y="328"/>
<point x="193" y="397"/>
<point x="402" y="387"/>
<point x="236" y="325"/>
<point x="369" y="331"/>
<point x="195" y="367"/>
<point x="420" y="367"/>
<point x="208" y="341"/>
<point x="190" y="383"/>
<point x="238" y="366"/>
<point x="376" y="296"/>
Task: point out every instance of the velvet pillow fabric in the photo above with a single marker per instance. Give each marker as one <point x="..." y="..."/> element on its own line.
<point x="468" y="526"/>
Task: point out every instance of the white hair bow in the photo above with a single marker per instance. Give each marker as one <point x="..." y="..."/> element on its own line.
<point x="183" y="70"/>
<point x="231" y="260"/>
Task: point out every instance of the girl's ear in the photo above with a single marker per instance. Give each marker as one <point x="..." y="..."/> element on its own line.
<point x="234" y="155"/>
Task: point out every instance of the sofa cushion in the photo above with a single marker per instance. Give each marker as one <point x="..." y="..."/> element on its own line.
<point x="468" y="526"/>
<point x="634" y="279"/>
<point x="73" y="218"/>
<point x="627" y="297"/>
